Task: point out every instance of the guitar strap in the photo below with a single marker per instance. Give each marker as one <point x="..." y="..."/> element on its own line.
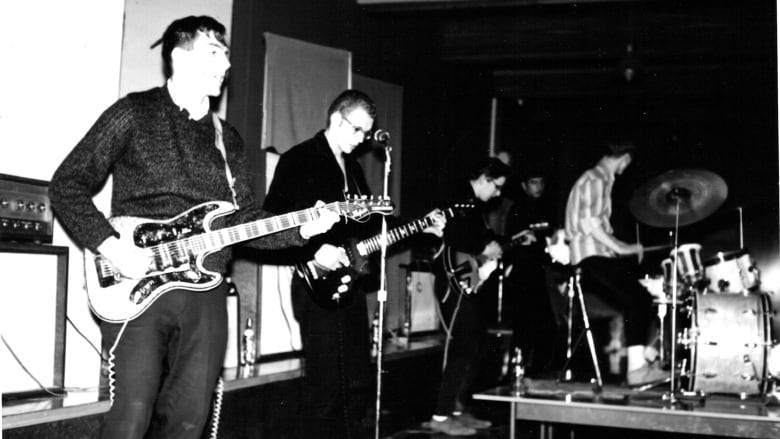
<point x="221" y="147"/>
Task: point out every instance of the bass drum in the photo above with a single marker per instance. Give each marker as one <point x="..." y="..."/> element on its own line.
<point x="728" y="342"/>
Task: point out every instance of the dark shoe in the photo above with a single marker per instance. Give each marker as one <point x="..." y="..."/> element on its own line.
<point x="468" y="420"/>
<point x="450" y="426"/>
<point x="647" y="374"/>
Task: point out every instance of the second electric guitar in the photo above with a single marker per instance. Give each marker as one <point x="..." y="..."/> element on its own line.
<point x="322" y="281"/>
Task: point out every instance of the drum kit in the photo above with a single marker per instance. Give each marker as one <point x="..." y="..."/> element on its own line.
<point x="722" y="342"/>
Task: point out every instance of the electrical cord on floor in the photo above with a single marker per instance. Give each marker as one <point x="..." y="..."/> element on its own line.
<point x="27" y="371"/>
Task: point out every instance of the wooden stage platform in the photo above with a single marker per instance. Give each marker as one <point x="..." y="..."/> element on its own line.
<point x="574" y="404"/>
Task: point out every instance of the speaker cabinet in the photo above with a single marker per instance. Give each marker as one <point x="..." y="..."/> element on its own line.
<point x="34" y="281"/>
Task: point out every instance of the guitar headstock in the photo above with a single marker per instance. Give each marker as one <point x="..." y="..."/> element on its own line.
<point x="460" y="209"/>
<point x="360" y="206"/>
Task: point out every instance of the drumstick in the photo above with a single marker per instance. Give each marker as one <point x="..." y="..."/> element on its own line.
<point x="654" y="248"/>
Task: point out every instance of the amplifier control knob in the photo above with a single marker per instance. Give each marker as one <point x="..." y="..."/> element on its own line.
<point x="19" y="204"/>
<point x="41" y="207"/>
<point x="3" y="203"/>
<point x="31" y="206"/>
<point x="4" y="223"/>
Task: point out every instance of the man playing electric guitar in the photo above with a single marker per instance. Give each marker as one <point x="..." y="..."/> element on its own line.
<point x="335" y="334"/>
<point x="334" y="283"/>
<point x="167" y="153"/>
<point x="465" y="325"/>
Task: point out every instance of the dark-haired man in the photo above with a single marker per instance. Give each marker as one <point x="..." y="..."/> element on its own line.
<point x="466" y="328"/>
<point x="167" y="153"/>
<point x="596" y="251"/>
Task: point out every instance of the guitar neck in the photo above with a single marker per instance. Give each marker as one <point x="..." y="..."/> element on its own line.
<point x="374" y="244"/>
<point x="221" y="238"/>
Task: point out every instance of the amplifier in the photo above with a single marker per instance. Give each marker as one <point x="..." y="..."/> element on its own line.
<point x="25" y="210"/>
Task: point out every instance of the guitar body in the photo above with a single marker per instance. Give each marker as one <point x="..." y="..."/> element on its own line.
<point x="466" y="273"/>
<point x="175" y="249"/>
<point x="114" y="298"/>
<point x="334" y="283"/>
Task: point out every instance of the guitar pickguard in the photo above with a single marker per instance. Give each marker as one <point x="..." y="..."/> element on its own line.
<point x="147" y="285"/>
<point x="188" y="224"/>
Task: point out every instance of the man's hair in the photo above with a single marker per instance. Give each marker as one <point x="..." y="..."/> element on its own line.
<point x="492" y="168"/>
<point x="182" y="33"/>
<point x="616" y="148"/>
<point x="348" y="100"/>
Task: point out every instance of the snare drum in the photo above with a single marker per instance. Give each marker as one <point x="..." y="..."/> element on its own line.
<point x="733" y="272"/>
<point x="688" y="262"/>
<point x="728" y="343"/>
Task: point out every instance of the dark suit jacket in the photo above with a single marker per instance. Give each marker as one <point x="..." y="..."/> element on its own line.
<point x="308" y="172"/>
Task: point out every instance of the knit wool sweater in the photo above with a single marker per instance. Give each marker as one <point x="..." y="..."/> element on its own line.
<point x="162" y="163"/>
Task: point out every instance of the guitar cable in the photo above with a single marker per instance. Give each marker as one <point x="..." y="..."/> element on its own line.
<point x="447" y="327"/>
<point x="111" y="365"/>
<point x="27" y="371"/>
<point x="217" y="408"/>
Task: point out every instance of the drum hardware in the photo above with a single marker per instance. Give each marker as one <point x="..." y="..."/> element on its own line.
<point x="678" y="198"/>
<point x="575" y="287"/>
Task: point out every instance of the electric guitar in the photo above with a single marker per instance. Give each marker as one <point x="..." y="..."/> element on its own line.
<point x="334" y="283"/>
<point x="176" y="248"/>
<point x="466" y="272"/>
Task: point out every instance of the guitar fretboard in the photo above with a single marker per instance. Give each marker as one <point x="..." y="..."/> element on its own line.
<point x="179" y="250"/>
<point x="374" y="244"/>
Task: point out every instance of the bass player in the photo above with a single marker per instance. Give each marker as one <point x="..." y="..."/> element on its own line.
<point x="464" y="324"/>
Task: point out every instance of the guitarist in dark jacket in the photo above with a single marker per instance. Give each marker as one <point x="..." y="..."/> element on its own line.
<point x="470" y="236"/>
<point x="160" y="147"/>
<point x="334" y="333"/>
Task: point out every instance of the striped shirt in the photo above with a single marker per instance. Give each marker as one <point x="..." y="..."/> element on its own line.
<point x="589" y="207"/>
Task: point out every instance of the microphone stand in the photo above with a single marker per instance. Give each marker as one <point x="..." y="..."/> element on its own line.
<point x="381" y="295"/>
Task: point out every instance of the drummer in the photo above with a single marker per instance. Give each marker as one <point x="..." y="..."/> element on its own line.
<point x="597" y="252"/>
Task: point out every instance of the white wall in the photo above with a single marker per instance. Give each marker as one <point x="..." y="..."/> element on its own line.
<point x="60" y="70"/>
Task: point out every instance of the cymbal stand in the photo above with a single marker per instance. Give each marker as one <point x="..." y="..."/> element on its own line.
<point x="575" y="287"/>
<point x="500" y="300"/>
<point x="672" y="353"/>
<point x="381" y="296"/>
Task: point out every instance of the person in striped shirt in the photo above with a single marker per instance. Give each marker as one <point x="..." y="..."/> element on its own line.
<point x="599" y="254"/>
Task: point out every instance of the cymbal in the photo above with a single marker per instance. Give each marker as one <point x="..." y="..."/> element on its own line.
<point x="698" y="193"/>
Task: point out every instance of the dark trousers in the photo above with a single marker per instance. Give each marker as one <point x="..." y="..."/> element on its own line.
<point x="532" y="302"/>
<point x="616" y="280"/>
<point x="467" y="346"/>
<point x="336" y="347"/>
<point x="166" y="366"/>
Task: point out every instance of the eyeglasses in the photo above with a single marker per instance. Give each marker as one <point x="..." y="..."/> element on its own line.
<point x="357" y="129"/>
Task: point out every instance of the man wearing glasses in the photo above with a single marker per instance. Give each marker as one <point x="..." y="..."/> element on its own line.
<point x="335" y="334"/>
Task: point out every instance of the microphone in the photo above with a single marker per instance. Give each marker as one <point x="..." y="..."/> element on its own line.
<point x="382" y="136"/>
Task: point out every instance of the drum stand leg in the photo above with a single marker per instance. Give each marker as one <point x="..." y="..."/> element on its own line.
<point x="576" y="288"/>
